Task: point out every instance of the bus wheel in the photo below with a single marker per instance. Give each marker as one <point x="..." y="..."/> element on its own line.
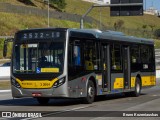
<point x="43" y="101"/>
<point x="90" y="93"/>
<point x="137" y="90"/>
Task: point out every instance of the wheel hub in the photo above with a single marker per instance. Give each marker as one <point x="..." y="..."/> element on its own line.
<point x="90" y="91"/>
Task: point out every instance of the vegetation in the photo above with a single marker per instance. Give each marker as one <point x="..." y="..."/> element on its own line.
<point x="118" y="24"/>
<point x="61" y="4"/>
<point x="27" y="2"/>
<point x="157" y="33"/>
<point x="157" y="43"/>
<point x="4" y="84"/>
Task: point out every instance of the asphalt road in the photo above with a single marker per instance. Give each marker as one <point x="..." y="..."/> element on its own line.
<point x="110" y="107"/>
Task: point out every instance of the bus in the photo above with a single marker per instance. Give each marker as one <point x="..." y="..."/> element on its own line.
<point x="79" y="63"/>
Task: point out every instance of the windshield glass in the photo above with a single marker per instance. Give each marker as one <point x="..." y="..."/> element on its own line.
<point x="42" y="57"/>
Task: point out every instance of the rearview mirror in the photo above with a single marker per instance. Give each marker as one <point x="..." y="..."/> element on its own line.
<point x="5" y="46"/>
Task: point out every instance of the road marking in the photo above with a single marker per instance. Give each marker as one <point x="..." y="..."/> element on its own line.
<point x="63" y="111"/>
<point x="5" y="91"/>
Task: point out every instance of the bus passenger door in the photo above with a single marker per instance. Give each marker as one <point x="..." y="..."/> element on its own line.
<point x="105" y="48"/>
<point x="126" y="67"/>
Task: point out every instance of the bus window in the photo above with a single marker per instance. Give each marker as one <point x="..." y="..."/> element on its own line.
<point x="116" y="60"/>
<point x="135" y="58"/>
<point x="90" y="56"/>
<point x="147" y="57"/>
<point x="75" y="59"/>
<point x="77" y="56"/>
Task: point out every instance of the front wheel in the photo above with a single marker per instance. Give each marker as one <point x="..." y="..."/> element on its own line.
<point x="90" y="93"/>
<point x="137" y="90"/>
<point x="43" y="101"/>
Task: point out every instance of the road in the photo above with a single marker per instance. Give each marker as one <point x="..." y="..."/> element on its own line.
<point x="103" y="108"/>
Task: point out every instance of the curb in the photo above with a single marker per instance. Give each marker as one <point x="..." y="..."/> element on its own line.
<point x="1" y="91"/>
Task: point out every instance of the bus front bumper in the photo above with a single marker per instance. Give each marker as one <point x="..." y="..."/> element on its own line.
<point x="52" y="92"/>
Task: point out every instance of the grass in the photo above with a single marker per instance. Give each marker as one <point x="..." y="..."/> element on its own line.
<point x="10" y="23"/>
<point x="157" y="43"/>
<point x="75" y="7"/>
<point x="132" y="22"/>
<point x="5" y="84"/>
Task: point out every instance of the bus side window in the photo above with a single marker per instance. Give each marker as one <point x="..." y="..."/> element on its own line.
<point x="77" y="56"/>
<point x="90" y="56"/>
<point x="75" y="59"/>
<point x="116" y="57"/>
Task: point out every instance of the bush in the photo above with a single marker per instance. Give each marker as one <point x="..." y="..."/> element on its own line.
<point x="61" y="4"/>
<point x="27" y="2"/>
<point x="157" y="33"/>
<point x="118" y="24"/>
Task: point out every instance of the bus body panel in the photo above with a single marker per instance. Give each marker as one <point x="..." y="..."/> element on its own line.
<point x="78" y="87"/>
<point x="52" y="92"/>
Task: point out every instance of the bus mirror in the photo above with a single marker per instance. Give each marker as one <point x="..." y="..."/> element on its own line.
<point x="5" y="46"/>
<point x="5" y="49"/>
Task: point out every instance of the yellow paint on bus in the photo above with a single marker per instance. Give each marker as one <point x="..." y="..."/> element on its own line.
<point x="36" y="83"/>
<point x="148" y="80"/>
<point x="119" y="83"/>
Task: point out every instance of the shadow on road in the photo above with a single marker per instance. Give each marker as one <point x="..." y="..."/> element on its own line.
<point x="57" y="102"/>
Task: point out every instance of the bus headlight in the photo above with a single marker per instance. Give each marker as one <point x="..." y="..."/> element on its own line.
<point x="59" y="82"/>
<point x="15" y="83"/>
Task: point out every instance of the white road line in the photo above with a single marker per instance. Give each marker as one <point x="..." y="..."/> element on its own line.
<point x="1" y="91"/>
<point x="63" y="111"/>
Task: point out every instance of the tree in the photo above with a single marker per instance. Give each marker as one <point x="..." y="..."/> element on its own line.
<point x="152" y="26"/>
<point x="118" y="24"/>
<point x="144" y="27"/>
<point x="61" y="4"/>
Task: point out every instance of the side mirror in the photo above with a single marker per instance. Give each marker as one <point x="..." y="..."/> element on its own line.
<point x="5" y="46"/>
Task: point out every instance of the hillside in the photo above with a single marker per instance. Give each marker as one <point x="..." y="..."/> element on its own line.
<point x="132" y="22"/>
<point x="75" y="7"/>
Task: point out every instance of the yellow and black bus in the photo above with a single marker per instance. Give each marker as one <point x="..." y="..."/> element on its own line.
<point x="79" y="63"/>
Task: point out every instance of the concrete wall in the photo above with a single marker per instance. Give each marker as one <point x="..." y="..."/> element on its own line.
<point x="157" y="73"/>
<point x="4" y="73"/>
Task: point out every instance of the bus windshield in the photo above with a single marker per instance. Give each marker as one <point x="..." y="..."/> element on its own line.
<point x="37" y="58"/>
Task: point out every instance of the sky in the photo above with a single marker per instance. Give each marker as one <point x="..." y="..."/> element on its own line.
<point x="149" y="3"/>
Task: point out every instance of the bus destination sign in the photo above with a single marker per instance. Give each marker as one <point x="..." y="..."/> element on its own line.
<point x="41" y="35"/>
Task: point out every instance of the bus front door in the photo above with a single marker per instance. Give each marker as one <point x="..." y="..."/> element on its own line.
<point x="126" y="67"/>
<point x="106" y="83"/>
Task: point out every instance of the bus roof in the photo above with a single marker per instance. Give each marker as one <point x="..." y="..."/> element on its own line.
<point x="97" y="34"/>
<point x="111" y="35"/>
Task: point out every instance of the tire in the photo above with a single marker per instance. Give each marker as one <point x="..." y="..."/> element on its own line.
<point x="90" y="93"/>
<point x="43" y="101"/>
<point x="137" y="90"/>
